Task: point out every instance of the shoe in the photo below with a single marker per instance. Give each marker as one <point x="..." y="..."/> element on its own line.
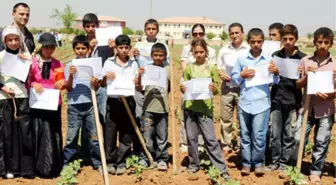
<point x="162" y="166"/>
<point x="259" y="171"/>
<point x="111" y="169"/>
<point x="10" y="176"/>
<point x="143" y="163"/>
<point x="183" y="148"/>
<point x="282" y="172"/>
<point x="271" y="168"/>
<point x="226" y="176"/>
<point x="121" y="170"/>
<point x="315" y="179"/>
<point x="245" y="171"/>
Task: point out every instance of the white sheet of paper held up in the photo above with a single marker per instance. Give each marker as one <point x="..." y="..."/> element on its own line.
<point x="320" y="81"/>
<point x="269" y="47"/>
<point x="200" y="85"/>
<point x="154" y="75"/>
<point x="82" y="76"/>
<point x="190" y="95"/>
<point x="261" y="77"/>
<point x="13" y="66"/>
<point x="94" y="63"/>
<point x="104" y="34"/>
<point x="288" y="67"/>
<point x="228" y="71"/>
<point x="122" y="85"/>
<point x="145" y="49"/>
<point x="48" y="100"/>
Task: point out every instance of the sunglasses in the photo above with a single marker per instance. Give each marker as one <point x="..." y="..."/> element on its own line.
<point x="198" y="34"/>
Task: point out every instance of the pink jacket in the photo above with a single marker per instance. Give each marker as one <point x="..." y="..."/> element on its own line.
<point x="36" y="75"/>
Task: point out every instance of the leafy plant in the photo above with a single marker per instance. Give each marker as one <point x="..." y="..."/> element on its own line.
<point x="223" y="36"/>
<point x="232" y="182"/>
<point x="309" y="148"/>
<point x="68" y="174"/>
<point x="296" y="177"/>
<point x="67" y="17"/>
<point x="215" y="175"/>
<point x="137" y="169"/>
<point x="210" y="35"/>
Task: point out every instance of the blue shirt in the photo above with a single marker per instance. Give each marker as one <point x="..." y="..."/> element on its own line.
<point x="255" y="99"/>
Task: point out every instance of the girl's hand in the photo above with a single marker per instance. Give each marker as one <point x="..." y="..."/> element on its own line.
<point x="73" y="70"/>
<point x="212" y="87"/>
<point x="38" y="88"/>
<point x="183" y="88"/>
<point x="110" y="75"/>
<point x="59" y="84"/>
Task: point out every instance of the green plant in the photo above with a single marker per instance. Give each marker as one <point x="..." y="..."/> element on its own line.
<point x="232" y="182"/>
<point x="68" y="174"/>
<point x="210" y="35"/>
<point x="67" y="17"/>
<point x="223" y="36"/>
<point x="215" y="176"/>
<point x="127" y="31"/>
<point x="133" y="163"/>
<point x="295" y="176"/>
<point x="309" y="148"/>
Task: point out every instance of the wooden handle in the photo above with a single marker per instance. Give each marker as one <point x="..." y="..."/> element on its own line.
<point x="172" y="112"/>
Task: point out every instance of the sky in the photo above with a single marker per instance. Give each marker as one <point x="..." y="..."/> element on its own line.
<point x="307" y="15"/>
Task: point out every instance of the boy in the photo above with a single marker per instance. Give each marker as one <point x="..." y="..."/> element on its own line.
<point x="274" y="31"/>
<point x="117" y="117"/>
<point x="254" y="104"/>
<point x="322" y="107"/>
<point x="155" y="118"/>
<point x="286" y="100"/>
<point x="80" y="110"/>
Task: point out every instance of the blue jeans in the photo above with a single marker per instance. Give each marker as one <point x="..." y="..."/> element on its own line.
<point x="253" y="130"/>
<point x="81" y="116"/>
<point x="101" y="101"/>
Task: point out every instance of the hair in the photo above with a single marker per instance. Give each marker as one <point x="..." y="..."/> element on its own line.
<point x="255" y="32"/>
<point x="325" y="32"/>
<point x="24" y="5"/>
<point x="290" y="29"/>
<point x="198" y="25"/>
<point x="159" y="47"/>
<point x="276" y="25"/>
<point x="200" y="42"/>
<point x="90" y="18"/>
<point x="123" y="40"/>
<point x="80" y="39"/>
<point x="152" y="21"/>
<point x="236" y="24"/>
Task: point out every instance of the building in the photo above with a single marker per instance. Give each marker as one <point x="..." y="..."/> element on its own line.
<point x="180" y="27"/>
<point x="105" y="21"/>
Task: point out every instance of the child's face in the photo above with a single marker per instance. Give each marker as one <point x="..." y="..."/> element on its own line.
<point x="47" y="51"/>
<point x="158" y="57"/>
<point x="274" y="35"/>
<point x="256" y="42"/>
<point x="198" y="33"/>
<point x="81" y="51"/>
<point x="90" y="29"/>
<point x="322" y="44"/>
<point x="151" y="31"/>
<point x="288" y="41"/>
<point x="12" y="41"/>
<point x="199" y="53"/>
<point x="123" y="50"/>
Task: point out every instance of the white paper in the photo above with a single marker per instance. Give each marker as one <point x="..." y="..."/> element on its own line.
<point x="48" y="100"/>
<point x="13" y="66"/>
<point x="320" y="81"/>
<point x="94" y="63"/>
<point x="269" y="47"/>
<point x="82" y="76"/>
<point x="154" y="75"/>
<point x="145" y="49"/>
<point x="104" y="34"/>
<point x="200" y="85"/>
<point x="189" y="95"/>
<point x="261" y="77"/>
<point x="122" y="85"/>
<point x="288" y="67"/>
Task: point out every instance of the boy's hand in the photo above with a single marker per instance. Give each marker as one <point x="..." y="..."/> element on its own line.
<point x="300" y="70"/>
<point x="38" y="88"/>
<point x="224" y="76"/>
<point x="59" y="84"/>
<point x="73" y="70"/>
<point x="22" y="56"/>
<point x="212" y="87"/>
<point x="110" y="75"/>
<point x="136" y="52"/>
<point x="9" y="91"/>
<point x="273" y="68"/>
<point x="312" y="69"/>
<point x="183" y="88"/>
<point x="111" y="43"/>
<point x="94" y="82"/>
<point x="141" y="70"/>
<point x="93" y="44"/>
<point x="247" y="73"/>
<point x="136" y="81"/>
<point x="323" y="96"/>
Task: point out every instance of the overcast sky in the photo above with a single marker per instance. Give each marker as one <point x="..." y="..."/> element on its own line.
<point x="307" y="15"/>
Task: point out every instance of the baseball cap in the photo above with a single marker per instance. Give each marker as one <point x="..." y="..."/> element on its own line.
<point x="47" y="39"/>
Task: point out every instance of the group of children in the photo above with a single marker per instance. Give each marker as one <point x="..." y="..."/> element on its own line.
<point x="31" y="142"/>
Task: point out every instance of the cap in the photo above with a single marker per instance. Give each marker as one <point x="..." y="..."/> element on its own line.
<point x="47" y="39"/>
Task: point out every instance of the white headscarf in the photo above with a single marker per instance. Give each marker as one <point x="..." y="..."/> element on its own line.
<point x="13" y="30"/>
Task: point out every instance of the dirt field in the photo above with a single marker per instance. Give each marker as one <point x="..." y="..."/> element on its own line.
<point x="87" y="176"/>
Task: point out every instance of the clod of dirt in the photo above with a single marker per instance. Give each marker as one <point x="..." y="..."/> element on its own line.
<point x="192" y="177"/>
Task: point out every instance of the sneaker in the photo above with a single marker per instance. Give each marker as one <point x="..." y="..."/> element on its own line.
<point x="10" y="176"/>
<point x="111" y="169"/>
<point x="259" y="171"/>
<point x="245" y="171"/>
<point x="282" y="172"/>
<point x="121" y="170"/>
<point x="183" y="148"/>
<point x="271" y="168"/>
<point x="162" y="166"/>
<point x="226" y="176"/>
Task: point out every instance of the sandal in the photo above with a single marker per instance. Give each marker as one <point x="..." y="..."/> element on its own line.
<point x="315" y="179"/>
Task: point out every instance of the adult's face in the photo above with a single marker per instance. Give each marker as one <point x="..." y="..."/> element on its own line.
<point x="236" y="35"/>
<point x="198" y="33"/>
<point x="21" y="15"/>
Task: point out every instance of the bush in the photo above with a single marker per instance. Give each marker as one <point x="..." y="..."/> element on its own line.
<point x="210" y="35"/>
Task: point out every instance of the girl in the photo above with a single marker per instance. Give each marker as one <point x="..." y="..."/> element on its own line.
<point x="46" y="123"/>
<point x="16" y="143"/>
<point x="199" y="113"/>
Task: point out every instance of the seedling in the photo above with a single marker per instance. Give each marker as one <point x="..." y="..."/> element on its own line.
<point x="68" y="174"/>
<point x="296" y="177"/>
<point x="137" y="169"/>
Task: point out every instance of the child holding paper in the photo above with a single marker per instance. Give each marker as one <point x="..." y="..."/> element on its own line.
<point x="199" y="113"/>
<point x="16" y="142"/>
<point x="155" y="119"/>
<point x="80" y="110"/>
<point x="47" y="124"/>
<point x="118" y="119"/>
<point x="254" y="103"/>
<point x="322" y="107"/>
<point x="286" y="100"/>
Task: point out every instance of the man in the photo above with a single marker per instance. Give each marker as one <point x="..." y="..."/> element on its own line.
<point x="230" y="93"/>
<point x="274" y="31"/>
<point x="21" y="13"/>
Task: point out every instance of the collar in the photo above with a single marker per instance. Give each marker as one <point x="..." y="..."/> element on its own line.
<point x="114" y="59"/>
<point x="326" y="61"/>
<point x="249" y="56"/>
<point x="243" y="45"/>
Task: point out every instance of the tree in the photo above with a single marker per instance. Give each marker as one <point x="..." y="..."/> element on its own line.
<point x="309" y="36"/>
<point x="210" y="35"/>
<point x="139" y="32"/>
<point x="66" y="17"/>
<point x="127" y="31"/>
<point x="224" y="36"/>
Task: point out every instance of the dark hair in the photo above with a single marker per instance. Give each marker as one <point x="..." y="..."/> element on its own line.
<point x="325" y="32"/>
<point x="198" y="25"/>
<point x="80" y="39"/>
<point x="200" y="42"/>
<point x="90" y="18"/>
<point x="159" y="47"/>
<point x="24" y="5"/>
<point x="255" y="32"/>
<point x="236" y="24"/>
<point x="123" y="40"/>
<point x="276" y="25"/>
<point x="290" y="29"/>
<point x="152" y="21"/>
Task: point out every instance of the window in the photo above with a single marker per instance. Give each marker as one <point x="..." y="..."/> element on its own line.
<point x="210" y="27"/>
<point x="215" y="27"/>
<point x="178" y="25"/>
<point x="165" y="25"/>
<point x="103" y="23"/>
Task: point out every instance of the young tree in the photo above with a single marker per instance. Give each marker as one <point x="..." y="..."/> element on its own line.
<point x="67" y="17"/>
<point x="127" y="31"/>
<point x="224" y="36"/>
<point x="309" y="36"/>
<point x="210" y="35"/>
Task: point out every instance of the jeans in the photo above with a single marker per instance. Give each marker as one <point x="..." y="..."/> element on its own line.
<point x="253" y="129"/>
<point x="101" y="101"/>
<point x="155" y="133"/>
<point x="81" y="116"/>
<point x="282" y="141"/>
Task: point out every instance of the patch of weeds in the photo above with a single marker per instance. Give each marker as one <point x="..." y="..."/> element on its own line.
<point x="132" y="162"/>
<point x="295" y="176"/>
<point x="68" y="174"/>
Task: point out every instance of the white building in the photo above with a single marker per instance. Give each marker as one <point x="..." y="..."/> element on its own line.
<point x="180" y="27"/>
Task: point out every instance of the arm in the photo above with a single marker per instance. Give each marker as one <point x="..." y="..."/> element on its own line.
<point x="235" y="75"/>
<point x="184" y="57"/>
<point x="215" y="80"/>
<point x="68" y="83"/>
<point x="303" y="80"/>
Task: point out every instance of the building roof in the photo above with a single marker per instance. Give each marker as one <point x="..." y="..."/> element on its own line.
<point x="190" y="20"/>
<point x="104" y="18"/>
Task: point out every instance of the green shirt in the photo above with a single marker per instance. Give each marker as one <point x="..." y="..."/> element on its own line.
<point x="156" y="98"/>
<point x="205" y="70"/>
